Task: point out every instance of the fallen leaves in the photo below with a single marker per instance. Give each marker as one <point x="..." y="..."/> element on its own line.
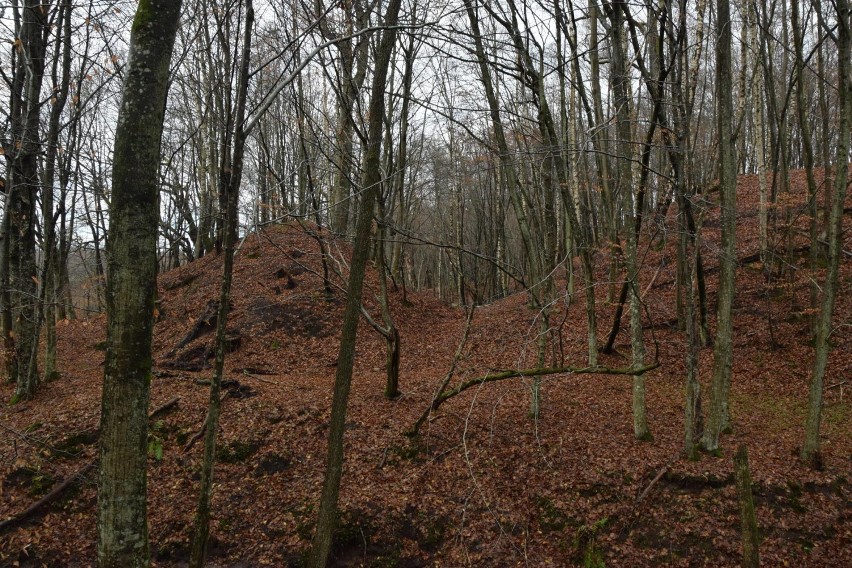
<point x="484" y="485"/>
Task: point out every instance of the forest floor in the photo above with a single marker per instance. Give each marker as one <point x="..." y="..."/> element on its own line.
<point x="484" y="485"/>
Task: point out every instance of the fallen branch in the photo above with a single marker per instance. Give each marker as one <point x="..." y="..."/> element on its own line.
<point x="54" y="494"/>
<point x="436" y="400"/>
<point x="206" y="321"/>
<point x="57" y="491"/>
<point x="247" y="373"/>
<point x="511" y="374"/>
<point x="200" y="434"/>
<point x="537" y="372"/>
<point x="653" y="482"/>
<point x="164" y="408"/>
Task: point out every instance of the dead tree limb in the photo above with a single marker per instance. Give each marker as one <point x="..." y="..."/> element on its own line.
<point x="54" y="494"/>
<point x="206" y="321"/>
<point x="436" y="400"/>
<point x="654" y="481"/>
<point x="200" y="434"/>
<point x="164" y="407"/>
<point x="69" y="481"/>
<point x="517" y="373"/>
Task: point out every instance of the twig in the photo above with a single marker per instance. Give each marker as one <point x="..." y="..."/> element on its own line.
<point x="653" y="279"/>
<point x="198" y="435"/>
<point x="255" y="377"/>
<point x="384" y="459"/>
<point x="653" y="482"/>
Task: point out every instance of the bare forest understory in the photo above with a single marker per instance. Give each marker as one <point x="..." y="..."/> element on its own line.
<point x="483" y="485"/>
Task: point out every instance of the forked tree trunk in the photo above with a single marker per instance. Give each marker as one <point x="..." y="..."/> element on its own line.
<point x="131" y="289"/>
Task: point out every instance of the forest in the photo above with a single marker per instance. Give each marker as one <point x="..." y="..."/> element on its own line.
<point x="417" y="283"/>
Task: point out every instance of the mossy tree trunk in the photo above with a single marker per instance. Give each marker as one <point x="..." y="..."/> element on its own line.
<point x="749" y="532"/>
<point x="131" y="289"/>
<point x="18" y="270"/>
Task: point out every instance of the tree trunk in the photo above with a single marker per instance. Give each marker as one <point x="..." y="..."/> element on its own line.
<point x="760" y="142"/>
<point x="807" y="150"/>
<point x="719" y="417"/>
<point x="328" y="513"/>
<point x="351" y="72"/>
<point x="18" y="257"/>
<point x="811" y="448"/>
<point x="50" y="268"/>
<point x="620" y="79"/>
<point x="131" y="289"/>
<point x="230" y="178"/>
<point x="750" y="536"/>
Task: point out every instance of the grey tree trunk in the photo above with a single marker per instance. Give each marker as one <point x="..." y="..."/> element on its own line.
<point x="807" y="149"/>
<point x="328" y="513"/>
<point x="352" y="71"/>
<point x="760" y="132"/>
<point x="50" y="269"/>
<point x="719" y="418"/>
<point x="131" y="289"/>
<point x="811" y="447"/>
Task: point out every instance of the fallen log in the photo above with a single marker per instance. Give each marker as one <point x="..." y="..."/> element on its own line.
<point x="205" y="322"/>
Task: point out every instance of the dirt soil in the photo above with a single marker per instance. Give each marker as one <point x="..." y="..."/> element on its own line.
<point x="484" y="485"/>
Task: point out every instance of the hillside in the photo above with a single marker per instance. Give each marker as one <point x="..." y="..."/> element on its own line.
<point x="485" y="485"/>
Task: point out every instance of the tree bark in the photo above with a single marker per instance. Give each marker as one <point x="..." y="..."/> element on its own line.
<point x="750" y="536"/>
<point x="811" y="447"/>
<point x="131" y="289"/>
<point x="328" y="513"/>
<point x="18" y="270"/>
<point x="719" y="417"/>
<point x="620" y="79"/>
